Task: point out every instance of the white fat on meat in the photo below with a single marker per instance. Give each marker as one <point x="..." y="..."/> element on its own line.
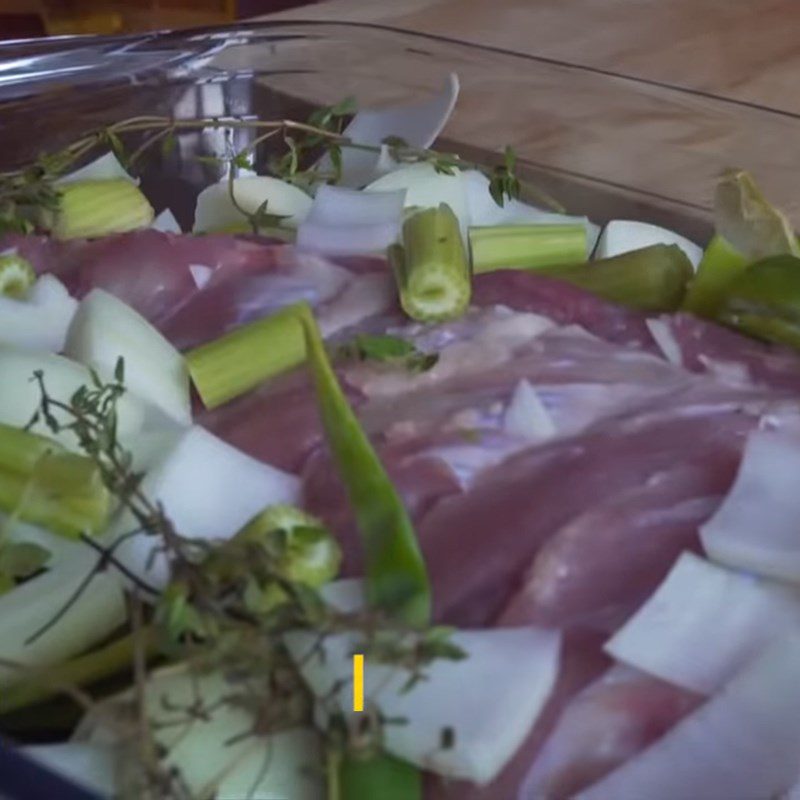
<point x="480" y="340"/>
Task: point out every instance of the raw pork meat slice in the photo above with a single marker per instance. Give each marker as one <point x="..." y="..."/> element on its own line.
<point x="611" y="720"/>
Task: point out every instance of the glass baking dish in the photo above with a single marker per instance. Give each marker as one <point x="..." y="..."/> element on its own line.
<point x="605" y="145"/>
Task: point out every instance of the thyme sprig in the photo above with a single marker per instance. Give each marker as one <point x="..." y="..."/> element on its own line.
<point x="25" y="193"/>
<point x="227" y="607"/>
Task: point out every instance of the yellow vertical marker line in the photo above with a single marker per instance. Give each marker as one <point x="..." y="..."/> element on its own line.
<point x="358" y="682"/>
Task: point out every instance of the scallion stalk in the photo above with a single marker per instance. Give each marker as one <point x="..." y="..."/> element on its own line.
<point x="431" y="266"/>
<point x="240" y="360"/>
<point x="526" y="246"/>
<point x="21" y="451"/>
<point x="720" y="265"/>
<point x="651" y="279"/>
<point x="88" y="209"/>
<point x="42" y="484"/>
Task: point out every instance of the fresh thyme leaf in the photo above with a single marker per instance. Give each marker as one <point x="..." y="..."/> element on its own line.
<point x="241" y="160"/>
<point x="388" y="349"/>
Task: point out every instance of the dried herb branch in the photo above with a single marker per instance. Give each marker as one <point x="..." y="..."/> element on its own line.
<point x="227" y="607"/>
<point x="25" y="193"/>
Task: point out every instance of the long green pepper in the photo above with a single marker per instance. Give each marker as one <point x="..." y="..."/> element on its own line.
<point x="396" y="578"/>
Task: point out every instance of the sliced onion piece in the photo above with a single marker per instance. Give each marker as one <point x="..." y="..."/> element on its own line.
<point x="105" y="168"/>
<point x="212" y="750"/>
<point x="209" y="490"/>
<point x="27" y="609"/>
<point x="743" y="743"/>
<point x="40" y="320"/>
<point x="703" y="624"/>
<point x="756" y="527"/>
<point x="20" y="396"/>
<point x="106" y="329"/>
<point x="427" y="188"/>
<point x="336" y="205"/>
<point x="91" y="766"/>
<point x="166" y="222"/>
<point x="623" y="235"/>
<point x="662" y="335"/>
<point x="347" y="239"/>
<point x="215" y="209"/>
<point x="201" y="274"/>
<point x="526" y="415"/>
<point x="418" y="124"/>
<point x="489" y="700"/>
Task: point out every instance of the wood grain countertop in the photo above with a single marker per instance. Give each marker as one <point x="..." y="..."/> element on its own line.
<point x="748" y="52"/>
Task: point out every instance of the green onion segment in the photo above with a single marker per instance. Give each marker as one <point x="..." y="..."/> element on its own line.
<point x="526" y="246"/>
<point x="431" y="266"/>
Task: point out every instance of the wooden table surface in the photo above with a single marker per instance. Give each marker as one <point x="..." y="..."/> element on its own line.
<point x="747" y="50"/>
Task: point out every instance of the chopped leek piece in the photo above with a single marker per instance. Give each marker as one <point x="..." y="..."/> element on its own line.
<point x="526" y="246"/>
<point x="720" y="265"/>
<point x="97" y="208"/>
<point x="16" y="276"/>
<point x="764" y="300"/>
<point x="431" y="266"/>
<point x="652" y="279"/>
<point x="304" y="550"/>
<point x="42" y="484"/>
<point x="239" y="361"/>
<point x="64" y="493"/>
<point x="21" y="451"/>
<point x="747" y="220"/>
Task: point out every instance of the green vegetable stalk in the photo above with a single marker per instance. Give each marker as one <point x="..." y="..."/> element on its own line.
<point x="652" y="278"/>
<point x="301" y="547"/>
<point x="431" y="266"/>
<point x="42" y="484"/>
<point x="764" y="300"/>
<point x="396" y="578"/>
<point x="720" y="265"/>
<point x="240" y="360"/>
<point x="88" y="209"/>
<point x="526" y="246"/>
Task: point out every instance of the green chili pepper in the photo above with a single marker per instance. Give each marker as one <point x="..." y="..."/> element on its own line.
<point x="396" y="578"/>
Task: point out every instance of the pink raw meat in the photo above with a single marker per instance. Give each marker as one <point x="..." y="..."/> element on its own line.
<point x="582" y="660"/>
<point x="479" y="545"/>
<point x="562" y="302"/>
<point x="147" y="269"/>
<point x="610" y="721"/>
<point x="602" y="564"/>
<point x="708" y="347"/>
